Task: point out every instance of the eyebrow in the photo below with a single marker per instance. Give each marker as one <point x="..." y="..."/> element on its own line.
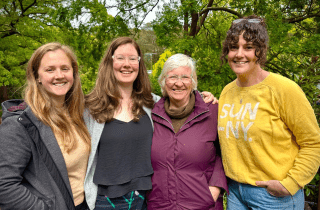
<point x="64" y="65"/>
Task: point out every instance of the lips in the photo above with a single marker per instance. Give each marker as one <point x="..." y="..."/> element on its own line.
<point x="59" y="84"/>
<point x="240" y="62"/>
<point x="175" y="90"/>
<point x="126" y="72"/>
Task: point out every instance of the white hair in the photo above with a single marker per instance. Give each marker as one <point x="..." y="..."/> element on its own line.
<point x="176" y="61"/>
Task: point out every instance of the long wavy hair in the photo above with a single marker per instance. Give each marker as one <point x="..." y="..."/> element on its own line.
<point x="252" y="32"/>
<point x="44" y="108"/>
<point x="105" y="97"/>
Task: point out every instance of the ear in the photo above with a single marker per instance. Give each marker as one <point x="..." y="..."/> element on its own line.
<point x="39" y="81"/>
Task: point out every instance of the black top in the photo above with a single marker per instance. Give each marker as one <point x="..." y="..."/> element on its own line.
<point x="124" y="161"/>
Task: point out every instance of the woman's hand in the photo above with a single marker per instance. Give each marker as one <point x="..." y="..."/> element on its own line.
<point x="274" y="187"/>
<point x="215" y="192"/>
<point x="209" y="97"/>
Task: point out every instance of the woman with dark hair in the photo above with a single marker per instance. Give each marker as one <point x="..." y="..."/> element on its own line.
<point x="44" y="141"/>
<point x="269" y="135"/>
<point x="119" y="169"/>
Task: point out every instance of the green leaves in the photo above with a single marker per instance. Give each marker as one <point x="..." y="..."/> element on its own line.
<point x="156" y="71"/>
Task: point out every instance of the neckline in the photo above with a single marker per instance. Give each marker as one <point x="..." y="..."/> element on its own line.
<point x="252" y="86"/>
<point x="121" y="121"/>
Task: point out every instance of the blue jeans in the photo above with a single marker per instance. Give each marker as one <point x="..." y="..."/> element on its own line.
<point x="248" y="197"/>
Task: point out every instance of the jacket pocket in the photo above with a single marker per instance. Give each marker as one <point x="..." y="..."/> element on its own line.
<point x="50" y="202"/>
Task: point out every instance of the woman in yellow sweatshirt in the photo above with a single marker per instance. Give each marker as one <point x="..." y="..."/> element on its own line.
<point x="268" y="131"/>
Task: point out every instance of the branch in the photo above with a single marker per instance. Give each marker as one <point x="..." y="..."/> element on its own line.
<point x="23" y="10"/>
<point x="276" y="69"/>
<point x="222" y="9"/>
<point x="21" y="6"/>
<point x="204" y="16"/>
<point x="5" y="9"/>
<point x="301" y="18"/>
<point x="148" y="13"/>
<point x="137" y="6"/>
<point x="9" y="34"/>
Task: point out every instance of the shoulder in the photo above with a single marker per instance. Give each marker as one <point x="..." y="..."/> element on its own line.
<point x="213" y="108"/>
<point x="228" y="87"/>
<point x="156" y="98"/>
<point x="199" y="102"/>
<point x="13" y="133"/>
<point x="280" y="82"/>
<point x="92" y="124"/>
<point x="284" y="89"/>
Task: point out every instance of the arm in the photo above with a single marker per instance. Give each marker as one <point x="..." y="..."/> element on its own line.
<point x="297" y="113"/>
<point x="218" y="180"/>
<point x="15" y="154"/>
<point x="301" y="120"/>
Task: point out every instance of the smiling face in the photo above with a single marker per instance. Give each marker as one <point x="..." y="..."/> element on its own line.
<point x="125" y="72"/>
<point x="242" y="58"/>
<point x="178" y="86"/>
<point x="56" y="74"/>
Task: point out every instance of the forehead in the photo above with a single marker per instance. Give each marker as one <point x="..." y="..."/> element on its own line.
<point x="56" y="57"/>
<point x="240" y="40"/>
<point x="126" y="49"/>
<point x="181" y="70"/>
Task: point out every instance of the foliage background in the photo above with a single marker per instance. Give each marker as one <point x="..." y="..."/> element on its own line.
<point x="194" y="27"/>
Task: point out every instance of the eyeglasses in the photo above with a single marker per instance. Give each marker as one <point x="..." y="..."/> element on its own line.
<point x="171" y="79"/>
<point x="122" y="59"/>
<point x="249" y="20"/>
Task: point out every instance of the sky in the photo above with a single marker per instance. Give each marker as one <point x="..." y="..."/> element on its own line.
<point x="150" y="17"/>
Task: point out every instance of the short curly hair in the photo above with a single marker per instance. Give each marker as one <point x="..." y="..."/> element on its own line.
<point x="252" y="32"/>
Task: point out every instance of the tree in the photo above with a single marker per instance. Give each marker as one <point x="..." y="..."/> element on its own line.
<point x="197" y="28"/>
<point x="92" y="30"/>
<point x="23" y="25"/>
<point x="157" y="68"/>
<point x="27" y="24"/>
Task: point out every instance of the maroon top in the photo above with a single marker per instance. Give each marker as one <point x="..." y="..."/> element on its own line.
<point x="186" y="163"/>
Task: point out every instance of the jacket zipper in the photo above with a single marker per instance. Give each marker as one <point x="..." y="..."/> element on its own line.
<point x="194" y="118"/>
<point x="183" y="124"/>
<point x="164" y="119"/>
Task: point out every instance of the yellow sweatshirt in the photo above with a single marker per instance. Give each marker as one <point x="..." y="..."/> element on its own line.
<point x="269" y="131"/>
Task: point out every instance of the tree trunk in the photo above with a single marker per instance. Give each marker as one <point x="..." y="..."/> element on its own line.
<point x="3" y="94"/>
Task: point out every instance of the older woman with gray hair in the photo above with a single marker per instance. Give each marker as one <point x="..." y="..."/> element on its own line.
<point x="185" y="153"/>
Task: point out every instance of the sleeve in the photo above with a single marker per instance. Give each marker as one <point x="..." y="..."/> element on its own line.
<point x="218" y="178"/>
<point x="15" y="154"/>
<point x="89" y="121"/>
<point x="299" y="116"/>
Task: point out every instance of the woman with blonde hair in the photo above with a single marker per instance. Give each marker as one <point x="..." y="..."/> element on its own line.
<point x="44" y="141"/>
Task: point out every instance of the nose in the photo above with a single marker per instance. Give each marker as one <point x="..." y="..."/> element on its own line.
<point x="239" y="52"/>
<point x="59" y="74"/>
<point x="178" y="82"/>
<point x="126" y="62"/>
